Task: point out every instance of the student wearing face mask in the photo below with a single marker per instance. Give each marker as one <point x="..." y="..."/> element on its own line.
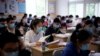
<point x="79" y="44"/>
<point x="10" y="46"/>
<point x="3" y="25"/>
<point x="97" y="25"/>
<point x="89" y="26"/>
<point x="34" y="34"/>
<point x="54" y="28"/>
<point x="63" y="28"/>
<point x="11" y="27"/>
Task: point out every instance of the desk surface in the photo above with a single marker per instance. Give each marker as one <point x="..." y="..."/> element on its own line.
<point x="63" y="35"/>
<point x="47" y="49"/>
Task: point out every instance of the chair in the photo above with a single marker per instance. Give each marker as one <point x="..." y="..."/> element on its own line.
<point x="57" y="52"/>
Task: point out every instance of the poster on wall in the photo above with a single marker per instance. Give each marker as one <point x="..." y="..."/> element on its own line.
<point x="21" y="6"/>
<point x="2" y="6"/>
<point x="12" y="7"/>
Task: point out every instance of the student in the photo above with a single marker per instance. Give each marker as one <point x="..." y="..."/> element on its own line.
<point x="23" y="22"/>
<point x="54" y="28"/>
<point x="11" y="27"/>
<point x="77" y="16"/>
<point x="50" y="20"/>
<point x="10" y="46"/>
<point x="45" y="23"/>
<point x="89" y="26"/>
<point x="32" y="36"/>
<point x="97" y="25"/>
<point x="2" y="15"/>
<point x="63" y="28"/>
<point x="79" y="44"/>
<point x="3" y="25"/>
<point x="70" y="19"/>
<point x="63" y="19"/>
<point x="30" y="19"/>
<point x="35" y="17"/>
<point x="93" y="18"/>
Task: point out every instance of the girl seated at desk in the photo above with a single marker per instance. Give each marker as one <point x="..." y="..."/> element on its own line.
<point x="32" y="36"/>
<point x="79" y="44"/>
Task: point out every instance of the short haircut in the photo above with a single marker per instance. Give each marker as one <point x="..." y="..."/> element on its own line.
<point x="8" y="38"/>
<point x="88" y="22"/>
<point x="56" y="20"/>
<point x="9" y="19"/>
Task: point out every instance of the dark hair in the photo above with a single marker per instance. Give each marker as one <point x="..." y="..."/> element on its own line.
<point x="2" y="19"/>
<point x="66" y="16"/>
<point x="1" y="13"/>
<point x="88" y="22"/>
<point x="9" y="19"/>
<point x="25" y="15"/>
<point x="10" y="16"/>
<point x="87" y="17"/>
<point x="35" y="16"/>
<point x="56" y="20"/>
<point x="78" y="26"/>
<point x="93" y="16"/>
<point x="30" y="14"/>
<point x="34" y="23"/>
<point x="8" y="38"/>
<point x="70" y="16"/>
<point x="77" y="16"/>
<point x="48" y="14"/>
<point x="62" y="18"/>
<point x="43" y="18"/>
<point x="81" y="36"/>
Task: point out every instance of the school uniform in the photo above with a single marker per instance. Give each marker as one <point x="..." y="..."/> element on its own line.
<point x="71" y="50"/>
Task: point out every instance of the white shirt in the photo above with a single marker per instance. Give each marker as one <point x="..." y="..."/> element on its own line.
<point x="31" y="38"/>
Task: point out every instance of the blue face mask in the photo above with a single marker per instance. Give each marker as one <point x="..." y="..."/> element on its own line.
<point x="85" y="47"/>
<point x="11" y="53"/>
<point x="39" y="29"/>
<point x="12" y="25"/>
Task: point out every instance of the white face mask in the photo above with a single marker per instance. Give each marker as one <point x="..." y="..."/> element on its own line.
<point x="11" y="53"/>
<point x="56" y="25"/>
<point x="90" y="29"/>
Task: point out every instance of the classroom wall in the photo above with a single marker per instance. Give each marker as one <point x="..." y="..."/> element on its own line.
<point x="62" y="7"/>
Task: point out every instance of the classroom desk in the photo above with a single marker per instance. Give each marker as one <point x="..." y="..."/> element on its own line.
<point x="63" y="37"/>
<point x="95" y="46"/>
<point x="37" y="51"/>
<point x="71" y="29"/>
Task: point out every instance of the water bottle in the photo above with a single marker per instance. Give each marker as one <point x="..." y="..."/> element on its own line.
<point x="43" y="46"/>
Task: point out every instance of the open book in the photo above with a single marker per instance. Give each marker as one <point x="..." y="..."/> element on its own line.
<point x="42" y="39"/>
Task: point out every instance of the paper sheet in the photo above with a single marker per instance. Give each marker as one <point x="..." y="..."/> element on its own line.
<point x="42" y="39"/>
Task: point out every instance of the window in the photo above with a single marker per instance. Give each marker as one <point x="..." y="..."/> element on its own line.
<point x="90" y="9"/>
<point x="36" y="7"/>
<point x="76" y="9"/>
<point x="72" y="0"/>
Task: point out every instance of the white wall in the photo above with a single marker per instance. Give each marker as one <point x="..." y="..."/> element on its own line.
<point x="61" y="7"/>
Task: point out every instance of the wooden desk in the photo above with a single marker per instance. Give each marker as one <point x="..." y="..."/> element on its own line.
<point x="71" y="29"/>
<point x="95" y="46"/>
<point x="63" y="37"/>
<point x="37" y="51"/>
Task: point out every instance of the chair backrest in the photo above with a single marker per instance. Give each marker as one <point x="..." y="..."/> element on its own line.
<point x="57" y="52"/>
